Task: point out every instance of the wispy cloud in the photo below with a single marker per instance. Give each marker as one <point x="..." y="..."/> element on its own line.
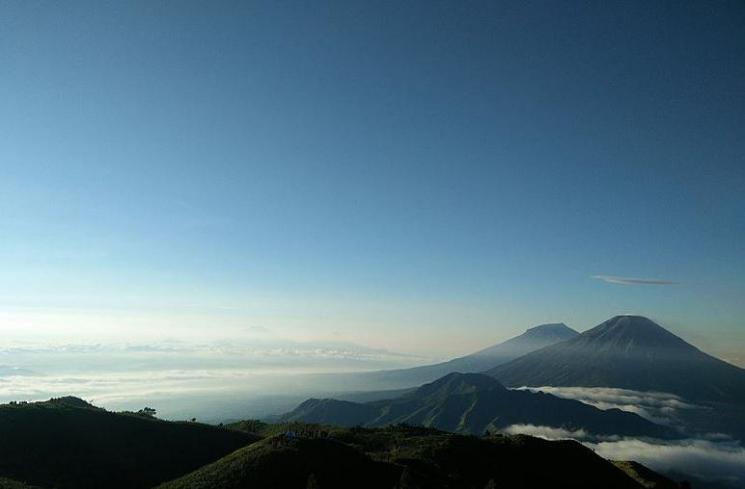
<point x="546" y="432"/>
<point x="614" y="279"/>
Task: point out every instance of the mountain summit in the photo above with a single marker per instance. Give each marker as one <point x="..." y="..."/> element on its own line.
<point x="532" y="339"/>
<point x="628" y="352"/>
<point x="629" y="333"/>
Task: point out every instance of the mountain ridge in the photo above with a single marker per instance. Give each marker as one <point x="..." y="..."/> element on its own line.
<point x="532" y="339"/>
<point x="474" y="404"/>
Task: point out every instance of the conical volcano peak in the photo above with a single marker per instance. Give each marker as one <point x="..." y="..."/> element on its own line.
<point x="630" y="322"/>
<point x="636" y="331"/>
<point x="628" y="352"/>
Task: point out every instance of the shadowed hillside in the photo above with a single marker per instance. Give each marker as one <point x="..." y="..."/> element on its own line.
<point x="69" y="444"/>
<point x="403" y="457"/>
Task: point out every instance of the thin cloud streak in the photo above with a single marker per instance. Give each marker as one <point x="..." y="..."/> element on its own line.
<point x="614" y="279"/>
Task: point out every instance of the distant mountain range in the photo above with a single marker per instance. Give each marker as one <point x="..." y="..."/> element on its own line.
<point x="531" y="340"/>
<point x="474" y="404"/>
<point x="628" y="352"/>
<point x="625" y="352"/>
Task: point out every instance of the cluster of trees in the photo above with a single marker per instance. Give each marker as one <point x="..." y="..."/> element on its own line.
<point x="147" y="411"/>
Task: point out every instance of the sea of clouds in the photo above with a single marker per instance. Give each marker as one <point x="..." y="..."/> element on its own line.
<point x="711" y="456"/>
<point x="658" y="407"/>
<point x="210" y="380"/>
<point x="716" y="459"/>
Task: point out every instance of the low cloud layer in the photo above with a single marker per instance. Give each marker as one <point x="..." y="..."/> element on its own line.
<point x="177" y="376"/>
<point x="546" y="432"/>
<point x="658" y="407"/>
<point x="704" y="459"/>
<point x="709" y="459"/>
<point x="614" y="279"/>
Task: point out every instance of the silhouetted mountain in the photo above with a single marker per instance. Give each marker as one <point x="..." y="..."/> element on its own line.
<point x="628" y="352"/>
<point x="67" y="443"/>
<point x="405" y="458"/>
<point x="533" y="339"/>
<point x="475" y="403"/>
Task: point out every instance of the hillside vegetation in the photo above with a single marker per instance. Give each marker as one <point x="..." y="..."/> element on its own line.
<point x="69" y="444"/>
<point x="404" y="457"/>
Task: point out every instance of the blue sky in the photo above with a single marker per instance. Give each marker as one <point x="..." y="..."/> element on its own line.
<point x="420" y="176"/>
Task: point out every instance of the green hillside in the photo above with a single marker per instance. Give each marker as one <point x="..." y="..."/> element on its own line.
<point x="69" y="444"/>
<point x="405" y="457"/>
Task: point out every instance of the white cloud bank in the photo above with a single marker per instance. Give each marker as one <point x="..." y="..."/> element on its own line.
<point x="709" y="459"/>
<point x="546" y="432"/>
<point x="658" y="407"/>
<point x="705" y="459"/>
<point x="177" y="376"/>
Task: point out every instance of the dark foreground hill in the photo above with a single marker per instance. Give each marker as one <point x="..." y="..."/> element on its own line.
<point x="69" y="444"/>
<point x="474" y="404"/>
<point x="531" y="340"/>
<point x="404" y="457"/>
<point x="629" y="352"/>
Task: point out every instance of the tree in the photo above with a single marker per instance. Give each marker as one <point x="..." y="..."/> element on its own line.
<point x="147" y="411"/>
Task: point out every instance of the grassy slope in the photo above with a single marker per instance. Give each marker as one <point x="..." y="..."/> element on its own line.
<point x="69" y="444"/>
<point x="405" y="457"/>
<point x="646" y="477"/>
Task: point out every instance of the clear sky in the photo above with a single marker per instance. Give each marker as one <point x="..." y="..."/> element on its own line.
<point x="422" y="176"/>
